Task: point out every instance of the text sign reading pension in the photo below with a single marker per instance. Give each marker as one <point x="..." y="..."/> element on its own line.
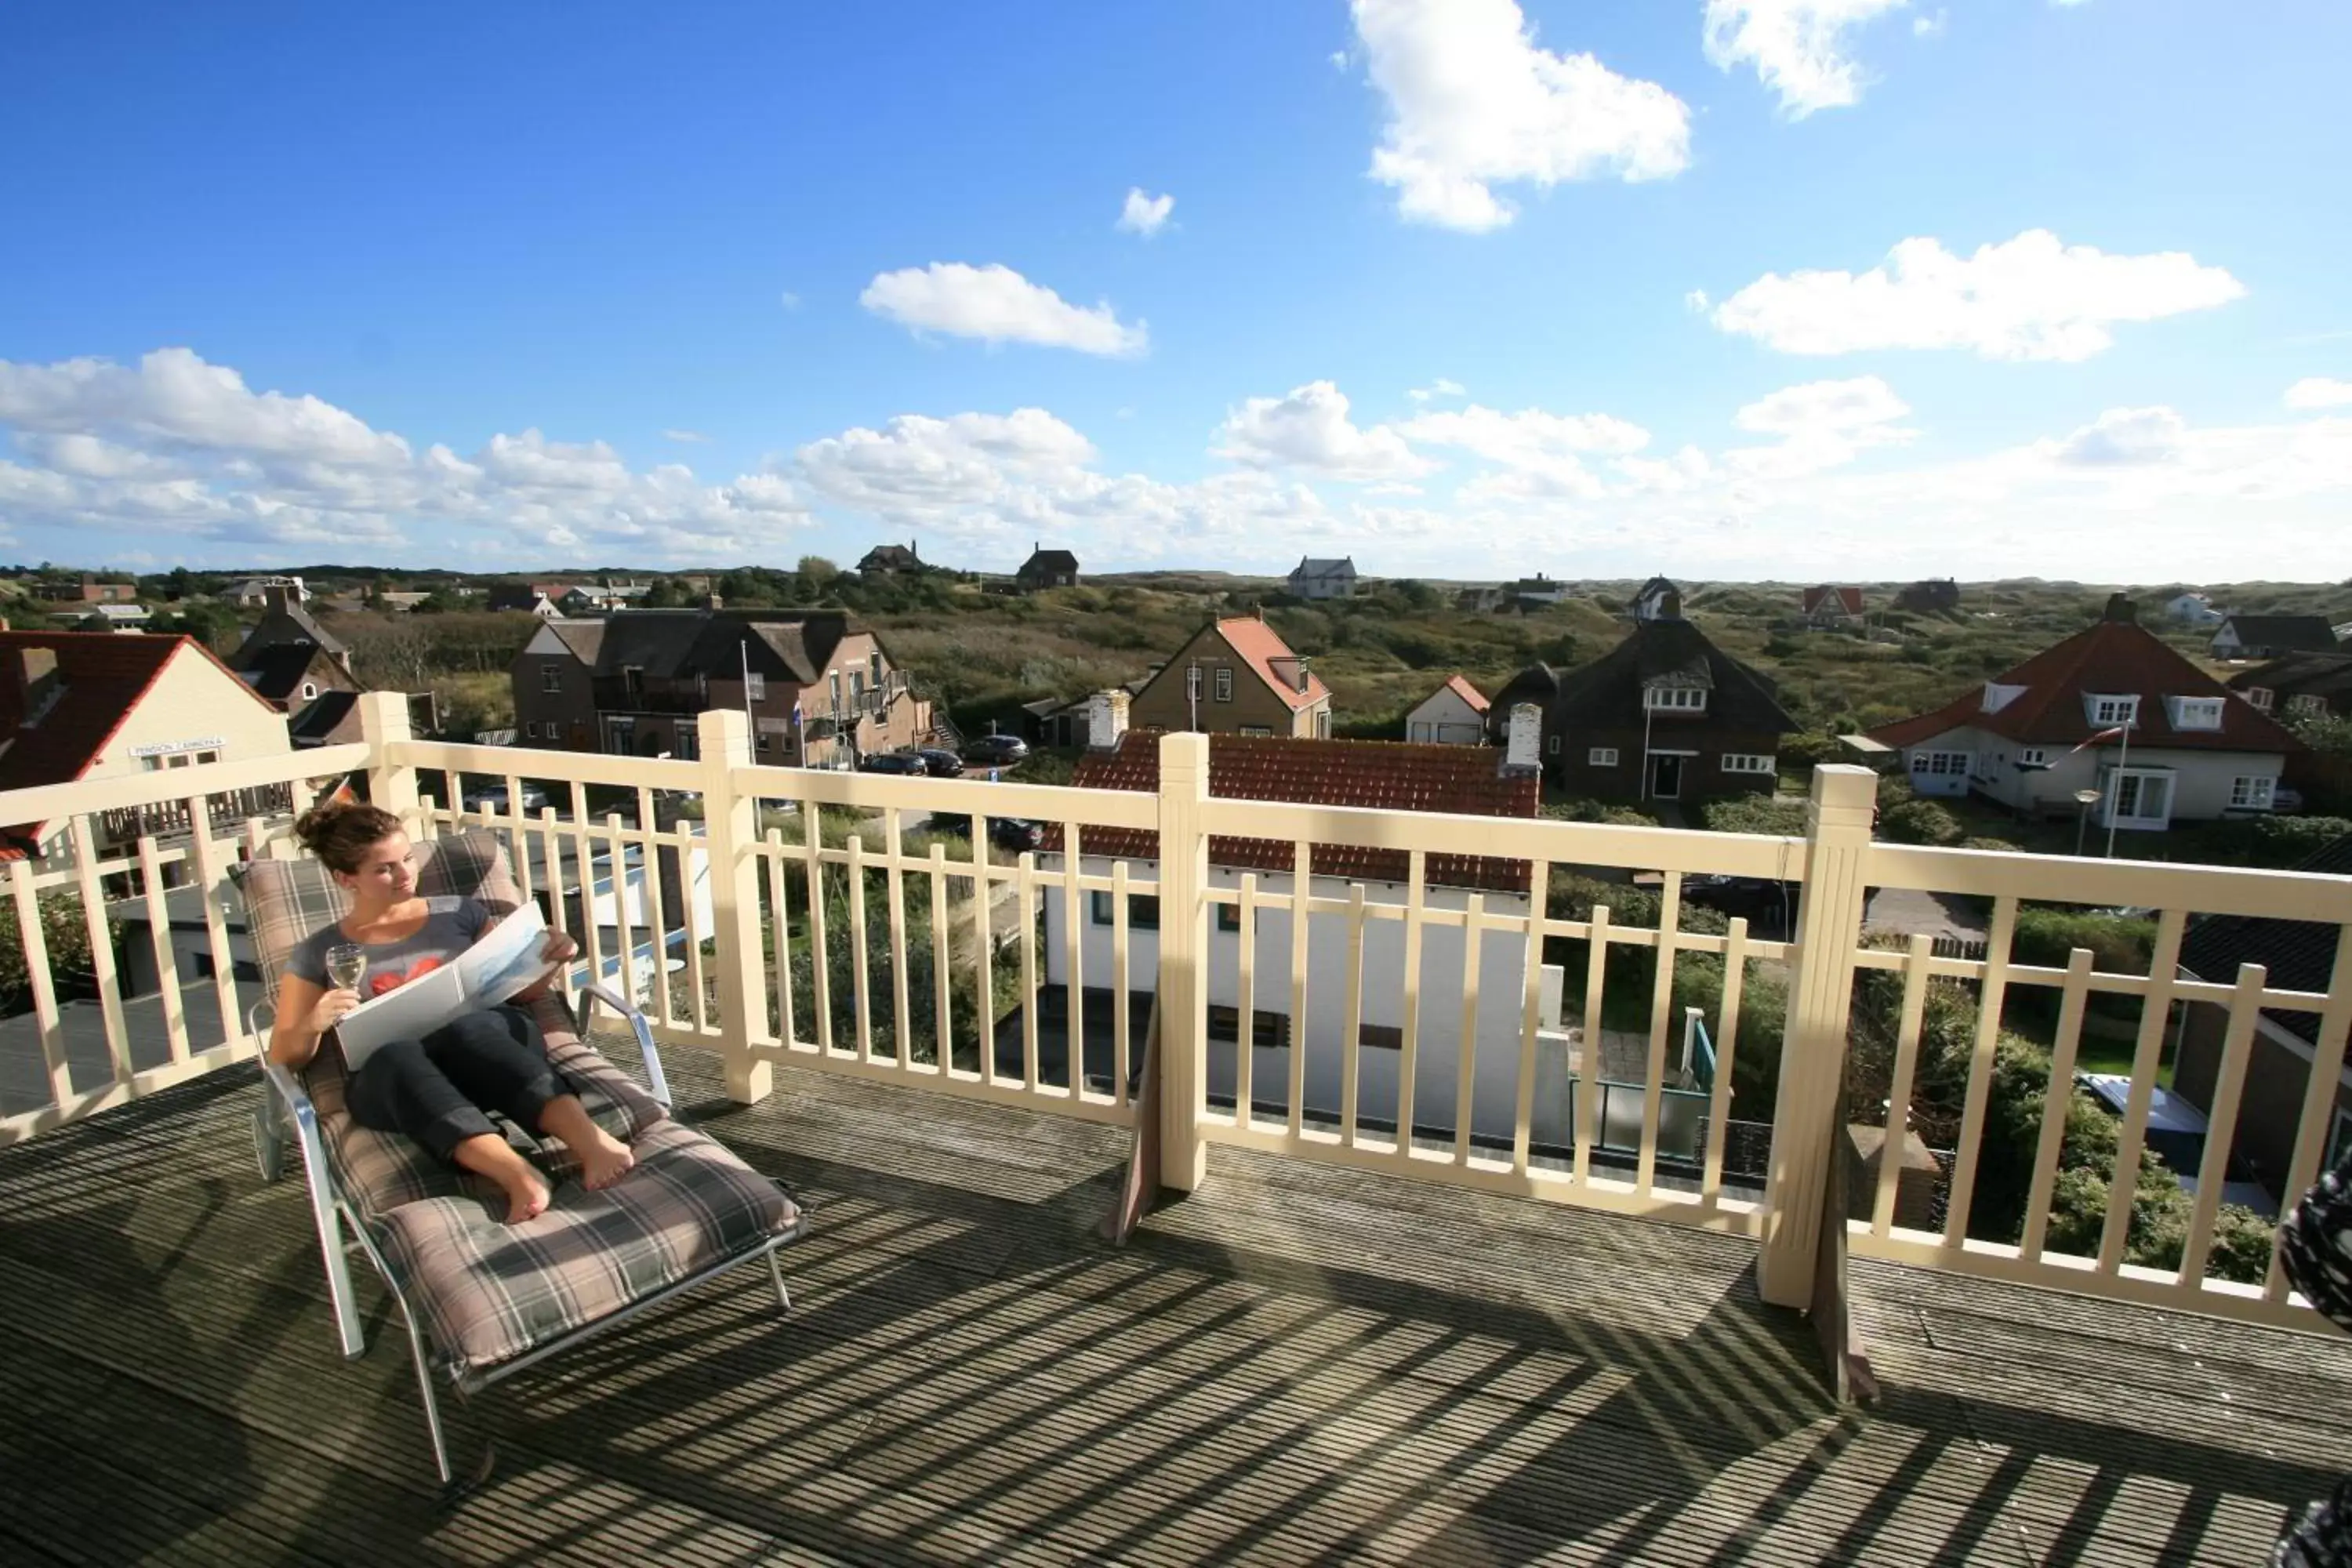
<point x="173" y="748"/>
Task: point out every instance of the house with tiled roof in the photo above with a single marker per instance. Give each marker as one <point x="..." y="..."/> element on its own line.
<point x="1658" y="600"/>
<point x="1235" y="676"/>
<point x="1829" y="605"/>
<point x="90" y="705"/>
<point x="2271" y="637"/>
<point x="1458" y="780"/>
<point x="2301" y="685"/>
<point x="891" y="561"/>
<point x="2295" y="955"/>
<point x="1452" y="715"/>
<point x="288" y="659"/>
<point x="1665" y="715"/>
<point x="2112" y="708"/>
<point x="1320" y="577"/>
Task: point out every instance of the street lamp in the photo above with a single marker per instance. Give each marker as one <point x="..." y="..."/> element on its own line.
<point x="2083" y="800"/>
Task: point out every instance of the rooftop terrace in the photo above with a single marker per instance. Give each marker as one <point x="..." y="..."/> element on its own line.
<point x="1296" y="1363"/>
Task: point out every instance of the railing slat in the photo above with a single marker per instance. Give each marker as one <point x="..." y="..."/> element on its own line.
<point x="207" y="867"/>
<point x="34" y="940"/>
<point x="623" y="928"/>
<point x="892" y="841"/>
<point x="2071" y="999"/>
<point x="1726" y="1043"/>
<point x="102" y="950"/>
<point x="1585" y="1085"/>
<point x="1302" y="893"/>
<point x="942" y="964"/>
<point x="1662" y="1007"/>
<point x="1409" y="1055"/>
<point x="2221" y="1123"/>
<point x="167" y="965"/>
<point x="984" y="946"/>
<point x="1245" y="1009"/>
<point x="1120" y="960"/>
<point x="1352" y="1016"/>
<point x="819" y="962"/>
<point x="1898" y="1128"/>
<point x="859" y="985"/>
<point x="780" y="938"/>
<point x="1074" y="990"/>
<point x="1991" y="995"/>
<point x="1465" y="1050"/>
<point x="656" y="907"/>
<point x="2156" y="1012"/>
<point x="2319" y="1095"/>
<point x="1523" y="1097"/>
<point x="1025" y="893"/>
<point x="694" y="850"/>
<point x="583" y="857"/>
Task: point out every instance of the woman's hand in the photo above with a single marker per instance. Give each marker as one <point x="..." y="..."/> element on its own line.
<point x="330" y="1010"/>
<point x="559" y="948"/>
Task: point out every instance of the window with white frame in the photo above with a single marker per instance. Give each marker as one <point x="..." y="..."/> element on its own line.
<point x="531" y="729"/>
<point x="551" y="678"/>
<point x="2034" y="756"/>
<point x="2252" y="792"/>
<point x="1552" y="745"/>
<point x="1747" y="763"/>
<point x="755" y="688"/>
<point x="2110" y="710"/>
<point x="309" y="690"/>
<point x="1223" y="685"/>
<point x="2306" y="705"/>
<point x="1675" y="699"/>
<point x="1942" y="764"/>
<point x="1601" y="757"/>
<point x="2262" y="696"/>
<point x="2196" y="712"/>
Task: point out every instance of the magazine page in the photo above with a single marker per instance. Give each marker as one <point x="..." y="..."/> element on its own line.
<point x="505" y="961"/>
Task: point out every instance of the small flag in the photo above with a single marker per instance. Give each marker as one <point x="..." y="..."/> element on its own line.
<point x="2117" y="733"/>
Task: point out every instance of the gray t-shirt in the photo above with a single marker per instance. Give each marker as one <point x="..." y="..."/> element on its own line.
<point x="451" y="926"/>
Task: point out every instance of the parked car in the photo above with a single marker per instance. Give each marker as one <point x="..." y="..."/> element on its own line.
<point x="892" y="762"/>
<point x="996" y="750"/>
<point x="1014" y="833"/>
<point x="942" y="762"/>
<point x="491" y="795"/>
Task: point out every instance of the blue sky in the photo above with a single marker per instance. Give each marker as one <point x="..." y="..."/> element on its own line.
<point x="1462" y="287"/>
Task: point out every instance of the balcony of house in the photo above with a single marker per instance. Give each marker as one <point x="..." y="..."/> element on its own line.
<point x="1086" y="1280"/>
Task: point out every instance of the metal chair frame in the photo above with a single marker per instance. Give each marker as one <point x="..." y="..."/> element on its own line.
<point x="288" y="1116"/>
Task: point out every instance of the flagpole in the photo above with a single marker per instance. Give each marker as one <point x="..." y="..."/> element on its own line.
<point x="2115" y="797"/>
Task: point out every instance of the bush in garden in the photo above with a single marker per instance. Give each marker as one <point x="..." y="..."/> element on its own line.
<point x="65" y="936"/>
<point x="1920" y="822"/>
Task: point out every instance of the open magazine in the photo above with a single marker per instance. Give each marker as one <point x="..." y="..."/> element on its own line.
<point x="492" y="971"/>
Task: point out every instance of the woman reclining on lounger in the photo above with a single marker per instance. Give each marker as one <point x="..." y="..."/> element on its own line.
<point x="436" y="1090"/>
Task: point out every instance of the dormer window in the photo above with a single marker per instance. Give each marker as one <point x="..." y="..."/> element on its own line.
<point x="2262" y="696"/>
<point x="2109" y="711"/>
<point x="1675" y="699"/>
<point x="2196" y="712"/>
<point x="1998" y="696"/>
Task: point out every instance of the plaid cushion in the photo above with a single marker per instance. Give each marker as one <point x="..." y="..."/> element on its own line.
<point x="492" y="1291"/>
<point x="286" y="900"/>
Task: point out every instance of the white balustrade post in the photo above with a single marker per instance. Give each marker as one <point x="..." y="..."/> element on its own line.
<point x="731" y="823"/>
<point x="1183" y="960"/>
<point x="383" y="720"/>
<point x="1821" y="1005"/>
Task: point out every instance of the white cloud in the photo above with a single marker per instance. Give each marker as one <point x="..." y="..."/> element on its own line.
<point x="1444" y="386"/>
<point x="2031" y="297"/>
<point x="789" y="300"/>
<point x="998" y="305"/>
<point x="1474" y="103"/>
<point x="1538" y="452"/>
<point x="692" y="437"/>
<point x="1821" y="424"/>
<point x="1798" y="47"/>
<point x="1695" y="302"/>
<point x="2123" y="436"/>
<point x="176" y="445"/>
<point x="1144" y="214"/>
<point x="2316" y="391"/>
<point x="1931" y="27"/>
<point x="1310" y="430"/>
<point x="923" y="470"/>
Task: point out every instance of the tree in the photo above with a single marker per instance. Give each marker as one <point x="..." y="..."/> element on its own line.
<point x="818" y="572"/>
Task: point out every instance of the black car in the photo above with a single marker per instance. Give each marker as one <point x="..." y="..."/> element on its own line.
<point x="941" y="762"/>
<point x="1014" y="833"/>
<point x="892" y="762"/>
<point x="996" y="750"/>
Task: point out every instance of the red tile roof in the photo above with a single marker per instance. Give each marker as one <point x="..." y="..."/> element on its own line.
<point x="1259" y="646"/>
<point x="1384" y="774"/>
<point x="1849" y="599"/>
<point x="1467" y="692"/>
<point x="105" y="676"/>
<point x="2113" y="658"/>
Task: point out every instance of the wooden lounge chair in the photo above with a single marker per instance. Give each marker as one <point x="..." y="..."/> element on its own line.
<point x="482" y="1299"/>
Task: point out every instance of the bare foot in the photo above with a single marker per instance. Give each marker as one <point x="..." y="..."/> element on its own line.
<point x="528" y="1193"/>
<point x="603" y="1160"/>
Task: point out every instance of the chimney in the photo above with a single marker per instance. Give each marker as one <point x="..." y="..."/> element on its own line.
<point x="1261" y="612"/>
<point x="1106" y="720"/>
<point x="34" y="674"/>
<point x="1524" y="749"/>
<point x="2121" y="608"/>
<point x="713" y="602"/>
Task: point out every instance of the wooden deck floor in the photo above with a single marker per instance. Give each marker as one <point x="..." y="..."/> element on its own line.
<point x="1293" y="1365"/>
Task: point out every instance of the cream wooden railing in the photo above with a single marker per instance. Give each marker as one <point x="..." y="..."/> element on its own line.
<point x="924" y="936"/>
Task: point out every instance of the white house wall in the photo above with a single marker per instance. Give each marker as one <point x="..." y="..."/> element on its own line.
<point x="1447" y="719"/>
<point x="1501" y="996"/>
<point x="2201" y="780"/>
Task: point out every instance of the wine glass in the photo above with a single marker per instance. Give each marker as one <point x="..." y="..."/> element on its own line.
<point x="345" y="965"/>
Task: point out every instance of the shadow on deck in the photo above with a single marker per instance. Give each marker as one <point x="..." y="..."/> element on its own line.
<point x="1296" y="1363"/>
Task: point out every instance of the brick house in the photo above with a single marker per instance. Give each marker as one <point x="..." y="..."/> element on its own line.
<point x="1047" y="569"/>
<point x="1235" y="676"/>
<point x="288" y="659"/>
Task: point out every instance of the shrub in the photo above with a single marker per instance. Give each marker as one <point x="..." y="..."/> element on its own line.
<point x="2119" y="945"/>
<point x="1921" y="822"/>
<point x="1756" y="814"/>
<point x="1579" y="810"/>
<point x="65" y="934"/>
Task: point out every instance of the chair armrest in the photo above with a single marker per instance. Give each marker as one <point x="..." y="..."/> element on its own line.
<point x="654" y="1077"/>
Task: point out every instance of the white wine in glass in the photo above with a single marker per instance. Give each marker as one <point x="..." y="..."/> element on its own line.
<point x="346" y="965"/>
